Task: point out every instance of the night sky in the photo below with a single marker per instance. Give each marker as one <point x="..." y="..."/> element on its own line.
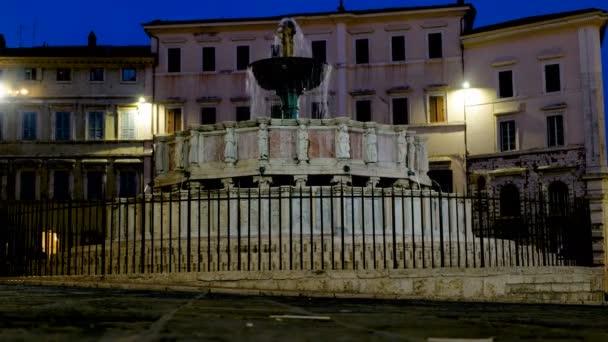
<point x="117" y="22"/>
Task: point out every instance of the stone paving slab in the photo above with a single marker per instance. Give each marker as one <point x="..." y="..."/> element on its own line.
<point x="62" y="314"/>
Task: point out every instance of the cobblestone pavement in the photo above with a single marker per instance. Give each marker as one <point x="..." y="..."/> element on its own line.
<point x="45" y="313"/>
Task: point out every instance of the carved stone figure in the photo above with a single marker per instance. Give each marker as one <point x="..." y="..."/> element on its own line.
<point x="302" y="144"/>
<point x="179" y="157"/>
<point x="263" y="141"/>
<point x="411" y="152"/>
<point x="342" y="142"/>
<point x="285" y="32"/>
<point x="371" y="146"/>
<point x="193" y="148"/>
<point x="230" y="146"/>
<point x="160" y="159"/>
<point x="402" y="149"/>
<point x="421" y="155"/>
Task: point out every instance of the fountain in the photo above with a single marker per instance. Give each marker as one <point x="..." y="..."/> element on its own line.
<point x="286" y="74"/>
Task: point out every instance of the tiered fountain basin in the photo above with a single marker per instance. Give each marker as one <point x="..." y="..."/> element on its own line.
<point x="268" y="149"/>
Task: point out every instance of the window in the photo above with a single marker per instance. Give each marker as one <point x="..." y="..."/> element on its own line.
<point x="319" y="50"/>
<point x="242" y="57"/>
<point x="317" y="112"/>
<point x="30" y="74"/>
<point x="27" y="190"/>
<point x="400" y="111"/>
<point x="64" y="74"/>
<point x="208" y="58"/>
<point x="95" y="185"/>
<point x="61" y="185"/>
<point x="96" y="75"/>
<point x="127" y="125"/>
<point x="552" y="78"/>
<point x="361" y="51"/>
<point x="174" y="59"/>
<point x="555" y="130"/>
<point x="558" y="198"/>
<point x="437" y="109"/>
<point x="242" y="113"/>
<point x="435" y="45"/>
<point x="96" y="126"/>
<point x="62" y="126"/>
<point x="173" y="120"/>
<point x="398" y="48"/>
<point x="442" y="180"/>
<point x="505" y="84"/>
<point x="208" y="115"/>
<point x="509" y="201"/>
<point x="29" y="126"/>
<point x="128" y="184"/>
<point x="128" y="75"/>
<point x="507" y="136"/>
<point x="276" y="112"/>
<point x="364" y="110"/>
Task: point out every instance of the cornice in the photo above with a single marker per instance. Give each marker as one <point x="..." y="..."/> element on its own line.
<point x="74" y="61"/>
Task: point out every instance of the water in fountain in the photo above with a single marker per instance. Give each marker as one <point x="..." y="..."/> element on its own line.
<point x="262" y="100"/>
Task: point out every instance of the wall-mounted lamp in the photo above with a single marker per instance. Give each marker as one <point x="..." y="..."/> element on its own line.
<point x="466" y="85"/>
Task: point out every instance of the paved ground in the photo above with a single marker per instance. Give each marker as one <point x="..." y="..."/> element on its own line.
<point x="42" y="314"/>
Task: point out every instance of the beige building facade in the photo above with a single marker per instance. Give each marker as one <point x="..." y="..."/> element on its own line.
<point x="75" y="121"/>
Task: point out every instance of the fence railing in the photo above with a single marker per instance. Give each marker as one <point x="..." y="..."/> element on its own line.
<point x="289" y="228"/>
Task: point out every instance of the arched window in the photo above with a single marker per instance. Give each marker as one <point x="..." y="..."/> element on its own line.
<point x="509" y="201"/>
<point x="558" y="198"/>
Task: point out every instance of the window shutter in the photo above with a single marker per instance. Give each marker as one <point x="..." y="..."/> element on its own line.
<point x="128" y="126"/>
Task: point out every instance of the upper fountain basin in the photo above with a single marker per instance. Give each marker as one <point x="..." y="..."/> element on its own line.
<point x="289" y="74"/>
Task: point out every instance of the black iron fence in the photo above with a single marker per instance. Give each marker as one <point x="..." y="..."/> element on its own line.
<point x="289" y="228"/>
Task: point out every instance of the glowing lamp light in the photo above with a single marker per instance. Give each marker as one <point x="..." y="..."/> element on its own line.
<point x="23" y="91"/>
<point x="3" y="91"/>
<point x="142" y="99"/>
<point x="466" y="85"/>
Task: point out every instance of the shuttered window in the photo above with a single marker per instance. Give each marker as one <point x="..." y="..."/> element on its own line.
<point x="63" y="127"/>
<point x="173" y="120"/>
<point x="507" y="136"/>
<point x="29" y="126"/>
<point x="127" y="125"/>
<point x="437" y="109"/>
<point x="96" y="126"/>
<point x="555" y="130"/>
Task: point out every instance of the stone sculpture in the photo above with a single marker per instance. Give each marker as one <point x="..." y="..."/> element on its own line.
<point x="342" y="142"/>
<point x="263" y="141"/>
<point x="402" y="149"/>
<point x="302" y="144"/>
<point x="230" y="146"/>
<point x="371" y="146"/>
<point x="411" y="152"/>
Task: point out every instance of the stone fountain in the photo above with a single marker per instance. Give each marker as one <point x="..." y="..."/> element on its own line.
<point x="289" y="76"/>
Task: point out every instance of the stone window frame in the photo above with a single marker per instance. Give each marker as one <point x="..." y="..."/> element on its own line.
<point x="513" y="83"/>
<point x="122" y="71"/>
<point x="236" y="56"/>
<point x="202" y="107"/>
<point x="103" y="75"/>
<point x="369" y="55"/>
<point x="120" y="111"/>
<point x="51" y="186"/>
<point x="427" y="104"/>
<point x="72" y="127"/>
<point x="427" y="47"/>
<point x="390" y="47"/>
<point x="561" y="113"/>
<point x="215" y="60"/>
<point x="70" y="75"/>
<point x="499" y="121"/>
<point x="18" y="182"/>
<point x="37" y="73"/>
<point x="166" y="111"/>
<point x="21" y="127"/>
<point x="391" y="108"/>
<point x="168" y="61"/>
<point x="86" y="123"/>
<point x="544" y="76"/>
<point x="138" y="179"/>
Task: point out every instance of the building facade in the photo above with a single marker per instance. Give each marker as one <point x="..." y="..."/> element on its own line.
<point x="75" y="121"/>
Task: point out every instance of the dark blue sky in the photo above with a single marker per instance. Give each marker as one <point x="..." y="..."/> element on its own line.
<point x="67" y="22"/>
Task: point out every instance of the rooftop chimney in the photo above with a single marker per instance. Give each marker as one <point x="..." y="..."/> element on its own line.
<point x="92" y="39"/>
<point x="341" y="6"/>
<point x="460" y="2"/>
<point x="2" y="42"/>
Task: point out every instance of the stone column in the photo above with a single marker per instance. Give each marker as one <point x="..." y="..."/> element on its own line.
<point x="300" y="180"/>
<point x="422" y="159"/>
